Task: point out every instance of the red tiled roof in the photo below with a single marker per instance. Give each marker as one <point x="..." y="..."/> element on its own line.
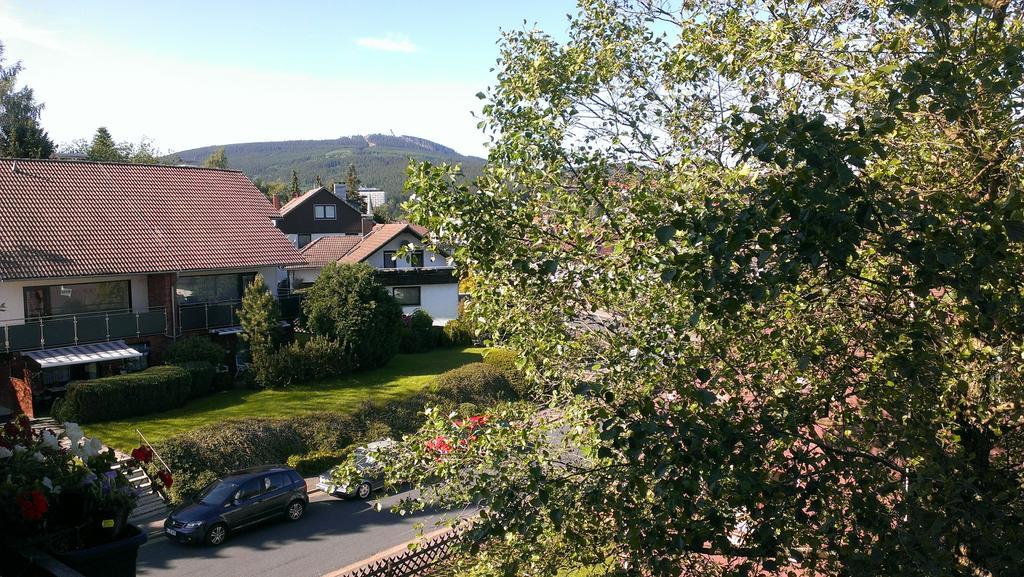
<point x="61" y="218"/>
<point x="328" y="249"/>
<point x="291" y="204"/>
<point x="378" y="237"/>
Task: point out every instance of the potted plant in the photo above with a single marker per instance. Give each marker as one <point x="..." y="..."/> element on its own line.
<point x="58" y="493"/>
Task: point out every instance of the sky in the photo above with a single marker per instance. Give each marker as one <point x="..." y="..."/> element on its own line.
<point x="187" y="73"/>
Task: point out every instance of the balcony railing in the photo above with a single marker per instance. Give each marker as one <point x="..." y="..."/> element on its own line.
<point x="65" y="330"/>
<point x="205" y="316"/>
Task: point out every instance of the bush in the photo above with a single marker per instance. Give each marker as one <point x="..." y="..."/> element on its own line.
<point x="458" y="333"/>
<point x="317" y="462"/>
<point x="505" y="360"/>
<point x="420" y="320"/>
<point x="299" y="363"/>
<point x="473" y="383"/>
<point x="154" y="389"/>
<point x="346" y="304"/>
<point x="202" y="374"/>
<point x="191" y="349"/>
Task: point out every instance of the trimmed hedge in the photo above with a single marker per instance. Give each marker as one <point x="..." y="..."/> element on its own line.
<point x="199" y="456"/>
<point x="203" y="375"/>
<point x="149" y="391"/>
<point x="505" y="360"/>
<point x="314" y="359"/>
<point x="191" y="349"/>
<point x="458" y="333"/>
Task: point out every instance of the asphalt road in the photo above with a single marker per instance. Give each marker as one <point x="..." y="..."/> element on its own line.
<point x="332" y="534"/>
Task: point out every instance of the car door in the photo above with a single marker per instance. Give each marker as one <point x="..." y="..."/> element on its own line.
<point x="278" y="494"/>
<point x="245" y="506"/>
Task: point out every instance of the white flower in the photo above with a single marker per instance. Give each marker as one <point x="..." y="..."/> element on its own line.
<point x="5" y="452"/>
<point x="50" y="440"/>
<point x="73" y="431"/>
<point x="38" y="456"/>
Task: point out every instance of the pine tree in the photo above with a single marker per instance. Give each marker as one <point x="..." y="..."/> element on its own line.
<point x="295" y="184"/>
<point x="352" y="188"/>
<point x="260" y="318"/>
<point x="319" y="181"/>
<point x="103" y="147"/>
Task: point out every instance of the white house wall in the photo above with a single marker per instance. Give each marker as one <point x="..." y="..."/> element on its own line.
<point x="430" y="258"/>
<point x="441" y="301"/>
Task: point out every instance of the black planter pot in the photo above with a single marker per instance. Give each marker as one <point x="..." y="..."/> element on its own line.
<point x="114" y="559"/>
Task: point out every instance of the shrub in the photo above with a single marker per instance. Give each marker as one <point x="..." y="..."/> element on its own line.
<point x="458" y="333"/>
<point x="420" y="320"/>
<point x="192" y="349"/>
<point x="317" y="462"/>
<point x="315" y="359"/>
<point x="505" y="360"/>
<point x="473" y="383"/>
<point x="346" y="304"/>
<point x="154" y="389"/>
<point x="327" y="431"/>
<point x="202" y="374"/>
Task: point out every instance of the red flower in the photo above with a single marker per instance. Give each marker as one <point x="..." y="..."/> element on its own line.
<point x="142" y="454"/>
<point x="33" y="505"/>
<point x="165" y="478"/>
<point x="439" y="445"/>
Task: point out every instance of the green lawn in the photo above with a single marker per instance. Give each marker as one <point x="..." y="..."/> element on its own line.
<point x="403" y="375"/>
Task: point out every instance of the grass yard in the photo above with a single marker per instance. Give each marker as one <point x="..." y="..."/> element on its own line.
<point x="403" y="375"/>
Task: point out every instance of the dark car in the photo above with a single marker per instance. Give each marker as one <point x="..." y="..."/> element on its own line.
<point x="370" y="472"/>
<point x="238" y="500"/>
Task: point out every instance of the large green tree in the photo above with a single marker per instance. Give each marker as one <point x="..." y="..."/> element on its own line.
<point x="352" y="184"/>
<point x="103" y="148"/>
<point x="21" y="135"/>
<point x="764" y="259"/>
<point x="347" y="304"/>
<point x="260" y="317"/>
<point x="217" y="159"/>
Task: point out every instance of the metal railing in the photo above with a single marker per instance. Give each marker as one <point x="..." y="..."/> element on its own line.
<point x="200" y="316"/>
<point x="159" y="489"/>
<point x="64" y="330"/>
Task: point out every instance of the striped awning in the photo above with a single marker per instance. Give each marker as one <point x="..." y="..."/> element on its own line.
<point x="82" y="354"/>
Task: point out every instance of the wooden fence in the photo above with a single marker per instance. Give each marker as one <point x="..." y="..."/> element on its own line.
<point x="418" y="562"/>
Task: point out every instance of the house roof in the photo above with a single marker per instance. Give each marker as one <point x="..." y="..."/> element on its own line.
<point x="378" y="237"/>
<point x="302" y="198"/>
<point x="328" y="249"/>
<point x="65" y="218"/>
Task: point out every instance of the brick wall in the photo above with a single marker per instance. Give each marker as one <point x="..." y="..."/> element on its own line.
<point x="161" y="294"/>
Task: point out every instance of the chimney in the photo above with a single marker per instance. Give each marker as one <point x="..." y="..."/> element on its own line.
<point x="277" y="202"/>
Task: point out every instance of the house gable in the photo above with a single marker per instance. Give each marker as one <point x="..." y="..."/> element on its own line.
<point x="300" y="215"/>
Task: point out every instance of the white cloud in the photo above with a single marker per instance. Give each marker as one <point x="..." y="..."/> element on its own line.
<point x="18" y="31"/>
<point x="388" y="43"/>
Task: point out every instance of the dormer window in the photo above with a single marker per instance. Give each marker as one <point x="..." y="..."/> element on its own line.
<point x="324" y="212"/>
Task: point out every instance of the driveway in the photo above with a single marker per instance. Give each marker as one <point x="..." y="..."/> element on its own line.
<point x="332" y="534"/>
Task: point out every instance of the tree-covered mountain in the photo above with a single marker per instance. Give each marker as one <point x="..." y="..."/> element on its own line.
<point x="379" y="159"/>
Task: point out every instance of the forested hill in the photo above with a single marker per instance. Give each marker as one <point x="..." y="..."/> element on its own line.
<point x="380" y="159"/>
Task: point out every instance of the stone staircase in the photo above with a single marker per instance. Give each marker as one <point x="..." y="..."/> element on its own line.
<point x="150" y="505"/>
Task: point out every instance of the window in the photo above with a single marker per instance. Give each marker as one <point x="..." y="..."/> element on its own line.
<point x="77" y="298"/>
<point x="407" y="295"/>
<point x="324" y="212"/>
<point x="212" y="288"/>
<point x="251" y="488"/>
<point x="302" y="240"/>
<point x="415" y="258"/>
<point x="277" y="481"/>
<point x="389" y="259"/>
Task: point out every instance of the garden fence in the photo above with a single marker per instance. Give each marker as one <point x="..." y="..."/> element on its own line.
<point x="419" y="562"/>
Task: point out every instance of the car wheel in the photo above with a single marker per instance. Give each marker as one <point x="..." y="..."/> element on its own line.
<point x="363" y="491"/>
<point x="295" y="510"/>
<point x="217" y="533"/>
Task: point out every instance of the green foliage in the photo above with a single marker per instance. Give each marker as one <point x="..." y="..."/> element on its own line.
<point x="315" y="359"/>
<point x="217" y="159"/>
<point x="296" y="190"/>
<point x="476" y="383"/>
<point x="457" y="333"/>
<point x="768" y="254"/>
<point x="260" y="317"/>
<point x="507" y="361"/>
<point x="154" y="389"/>
<point x="420" y="320"/>
<point x="346" y="304"/>
<point x="103" y="147"/>
<point x="317" y="462"/>
<point x="202" y="375"/>
<point x="194" y="348"/>
<point x="21" y="135"/>
<point x="419" y="334"/>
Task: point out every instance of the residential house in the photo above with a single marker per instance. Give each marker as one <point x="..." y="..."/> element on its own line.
<point x="421" y="279"/>
<point x="103" y="264"/>
<point x="372" y="197"/>
<point x="318" y="213"/>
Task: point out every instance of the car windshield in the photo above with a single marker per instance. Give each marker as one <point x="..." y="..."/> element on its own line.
<point x="217" y="493"/>
<point x="364" y="459"/>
